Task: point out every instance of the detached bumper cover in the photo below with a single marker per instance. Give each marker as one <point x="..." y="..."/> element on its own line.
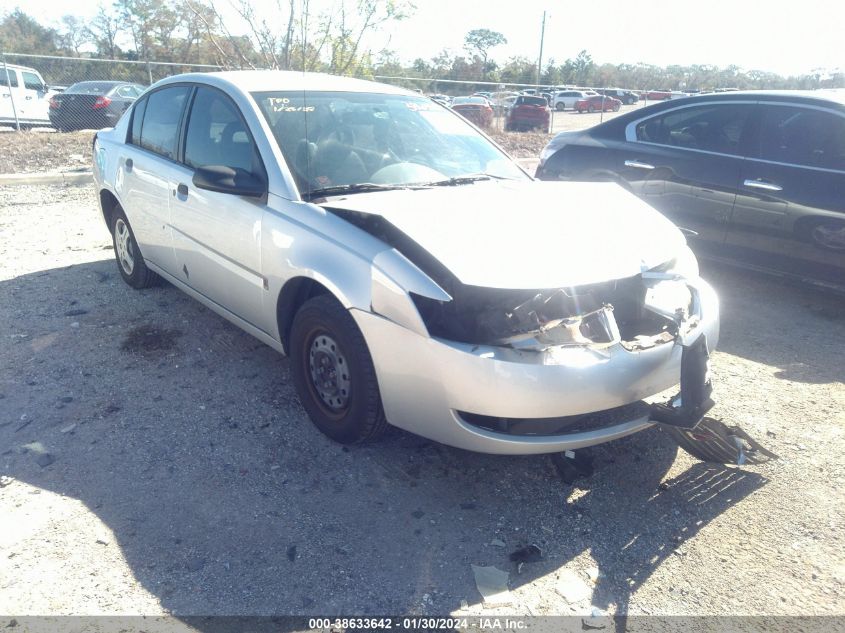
<point x="426" y="382"/>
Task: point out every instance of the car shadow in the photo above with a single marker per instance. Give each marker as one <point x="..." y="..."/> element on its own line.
<point x="185" y="438"/>
<point x="795" y="314"/>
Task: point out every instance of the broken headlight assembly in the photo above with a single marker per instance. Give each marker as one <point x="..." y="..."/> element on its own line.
<point x="639" y="312"/>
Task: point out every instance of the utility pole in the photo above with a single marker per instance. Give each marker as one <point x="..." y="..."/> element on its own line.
<point x="540" y="59"/>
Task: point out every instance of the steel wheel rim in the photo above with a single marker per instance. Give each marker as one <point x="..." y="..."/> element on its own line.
<point x="329" y="371"/>
<point x="830" y="237"/>
<point x="123" y="246"/>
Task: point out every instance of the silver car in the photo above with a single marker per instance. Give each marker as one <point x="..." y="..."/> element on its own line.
<point x="413" y="273"/>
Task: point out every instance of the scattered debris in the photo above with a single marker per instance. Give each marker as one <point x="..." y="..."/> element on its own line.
<point x="76" y="312"/>
<point x="68" y="428"/>
<point x="592" y="574"/>
<point x="5" y="480"/>
<point x="713" y="441"/>
<point x="467" y="506"/>
<point x="528" y="554"/>
<point x="492" y="584"/>
<point x="571" y="588"/>
<point x="417" y="514"/>
<point x="291" y="553"/>
<point x="100" y="542"/>
<point x="497" y="542"/>
<point x="572" y="466"/>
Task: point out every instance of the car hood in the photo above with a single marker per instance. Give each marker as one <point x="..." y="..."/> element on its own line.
<point x="527" y="234"/>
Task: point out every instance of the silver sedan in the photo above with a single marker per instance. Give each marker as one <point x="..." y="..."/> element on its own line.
<point x="414" y="274"/>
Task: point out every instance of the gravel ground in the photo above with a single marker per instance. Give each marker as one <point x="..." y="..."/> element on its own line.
<point x="155" y="460"/>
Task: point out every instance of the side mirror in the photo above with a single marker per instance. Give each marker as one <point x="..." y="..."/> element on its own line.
<point x="232" y="180"/>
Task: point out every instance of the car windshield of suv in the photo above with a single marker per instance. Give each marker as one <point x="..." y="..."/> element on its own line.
<point x="90" y="88"/>
<point x="332" y="139"/>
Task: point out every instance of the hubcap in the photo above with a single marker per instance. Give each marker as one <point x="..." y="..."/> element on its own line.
<point x="123" y="246"/>
<point x="329" y="372"/>
<point x="830" y="236"/>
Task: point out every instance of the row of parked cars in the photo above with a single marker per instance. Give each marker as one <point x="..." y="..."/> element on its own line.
<point x="26" y="98"/>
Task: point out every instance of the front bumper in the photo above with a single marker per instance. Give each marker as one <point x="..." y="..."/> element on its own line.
<point x="426" y="382"/>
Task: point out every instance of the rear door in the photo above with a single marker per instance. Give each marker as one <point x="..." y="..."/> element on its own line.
<point x="148" y="166"/>
<point x="790" y="211"/>
<point x="9" y="92"/>
<point x="217" y="236"/>
<point x="686" y="163"/>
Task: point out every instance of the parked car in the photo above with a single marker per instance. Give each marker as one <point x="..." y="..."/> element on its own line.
<point x="529" y="113"/>
<point x="759" y="177"/>
<point x="658" y="95"/>
<point x="567" y="98"/>
<point x="92" y="105"/>
<point x="373" y="236"/>
<point x="597" y="103"/>
<point x="502" y="101"/>
<point x="444" y="99"/>
<point x="627" y="97"/>
<point x="475" y="109"/>
<point x="24" y="96"/>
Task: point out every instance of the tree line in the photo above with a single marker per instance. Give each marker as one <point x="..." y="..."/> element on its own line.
<point x="293" y="36"/>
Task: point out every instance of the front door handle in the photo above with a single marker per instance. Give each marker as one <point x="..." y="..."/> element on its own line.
<point x="762" y="184"/>
<point x="128" y="164"/>
<point x="638" y="164"/>
<point x="182" y="189"/>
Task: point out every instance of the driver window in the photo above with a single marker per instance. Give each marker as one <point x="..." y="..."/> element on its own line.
<point x="712" y="128"/>
<point x="217" y="135"/>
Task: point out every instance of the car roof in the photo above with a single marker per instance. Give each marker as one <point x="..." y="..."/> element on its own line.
<point x="827" y="95"/>
<point x="287" y="80"/>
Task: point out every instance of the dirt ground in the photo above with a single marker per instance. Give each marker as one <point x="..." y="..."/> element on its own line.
<point x="155" y="460"/>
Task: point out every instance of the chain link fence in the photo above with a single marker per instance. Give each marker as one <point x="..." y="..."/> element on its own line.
<point x="34" y="89"/>
<point x="70" y="93"/>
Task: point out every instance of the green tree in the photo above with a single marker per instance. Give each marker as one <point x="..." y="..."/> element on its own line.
<point x="478" y="43"/>
<point x="20" y="33"/>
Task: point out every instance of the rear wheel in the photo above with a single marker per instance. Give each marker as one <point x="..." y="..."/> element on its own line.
<point x="560" y="106"/>
<point x="616" y="107"/>
<point x="591" y="108"/>
<point x="827" y="233"/>
<point x="130" y="262"/>
<point x="333" y="372"/>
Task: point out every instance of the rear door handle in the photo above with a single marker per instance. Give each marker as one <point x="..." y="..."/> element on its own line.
<point x="638" y="165"/>
<point x="762" y="184"/>
<point x="182" y="189"/>
<point x="128" y="164"/>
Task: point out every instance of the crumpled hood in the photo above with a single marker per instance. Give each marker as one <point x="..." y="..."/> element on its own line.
<point x="528" y="234"/>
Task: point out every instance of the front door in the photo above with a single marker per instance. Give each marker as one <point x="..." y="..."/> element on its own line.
<point x="217" y="236"/>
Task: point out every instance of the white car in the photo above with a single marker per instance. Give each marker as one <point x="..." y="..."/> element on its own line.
<point x="414" y="274"/>
<point x="567" y="98"/>
<point x="24" y="97"/>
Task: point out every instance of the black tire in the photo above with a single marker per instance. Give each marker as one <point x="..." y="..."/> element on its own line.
<point x="127" y="255"/>
<point x="560" y="106"/>
<point x="591" y="108"/>
<point x="826" y="233"/>
<point x="616" y="107"/>
<point x="324" y="340"/>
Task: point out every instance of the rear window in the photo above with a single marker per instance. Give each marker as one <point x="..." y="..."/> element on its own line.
<point x="534" y="101"/>
<point x="90" y="88"/>
<point x="12" y="76"/>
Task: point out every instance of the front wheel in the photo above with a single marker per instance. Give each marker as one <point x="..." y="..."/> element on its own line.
<point x="616" y="107"/>
<point x="130" y="262"/>
<point x="333" y="372"/>
<point x="560" y="107"/>
<point x="591" y="108"/>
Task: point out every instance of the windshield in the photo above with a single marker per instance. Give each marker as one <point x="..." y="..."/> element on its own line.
<point x="348" y="138"/>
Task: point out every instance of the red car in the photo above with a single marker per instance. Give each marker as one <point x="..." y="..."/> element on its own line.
<point x="528" y="113"/>
<point x="595" y="103"/>
<point x="658" y="95"/>
<point x="475" y="109"/>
